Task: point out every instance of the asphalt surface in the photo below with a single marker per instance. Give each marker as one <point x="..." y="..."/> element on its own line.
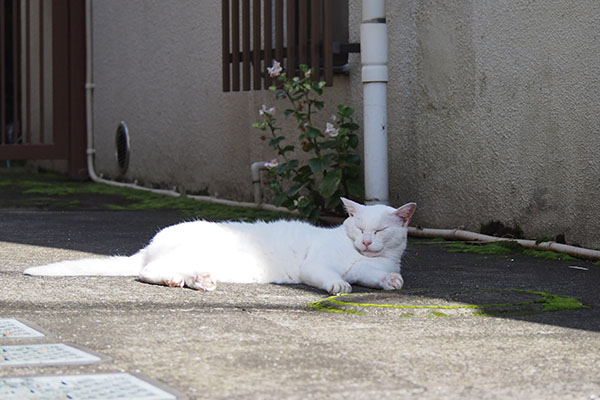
<point x="268" y="342"/>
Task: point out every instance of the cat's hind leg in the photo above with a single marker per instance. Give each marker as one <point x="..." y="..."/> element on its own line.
<point x="201" y="281"/>
<point x="155" y="272"/>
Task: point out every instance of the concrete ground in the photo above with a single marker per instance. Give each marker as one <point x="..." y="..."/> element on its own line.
<point x="267" y="342"/>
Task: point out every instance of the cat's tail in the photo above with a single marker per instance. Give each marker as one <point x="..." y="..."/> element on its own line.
<point x="108" y="266"/>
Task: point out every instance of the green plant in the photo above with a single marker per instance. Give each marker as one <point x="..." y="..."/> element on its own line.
<point x="312" y="185"/>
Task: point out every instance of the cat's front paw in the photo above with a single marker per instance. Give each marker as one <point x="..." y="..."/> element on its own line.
<point x="338" y="287"/>
<point x="392" y="281"/>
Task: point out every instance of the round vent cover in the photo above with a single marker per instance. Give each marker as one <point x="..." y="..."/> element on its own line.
<point x="122" y="144"/>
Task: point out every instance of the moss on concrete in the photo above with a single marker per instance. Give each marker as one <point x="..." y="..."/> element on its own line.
<point x="545" y="303"/>
<point x="438" y="314"/>
<point x="54" y="191"/>
<point x="506" y="248"/>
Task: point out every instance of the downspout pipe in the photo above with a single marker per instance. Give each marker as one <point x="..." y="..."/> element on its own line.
<point x="374" y="75"/>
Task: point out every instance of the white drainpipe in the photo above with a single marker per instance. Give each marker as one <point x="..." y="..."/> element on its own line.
<point x="374" y="59"/>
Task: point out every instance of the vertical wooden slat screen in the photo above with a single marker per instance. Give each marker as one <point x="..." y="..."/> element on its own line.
<point x="279" y="30"/>
<point x="268" y="35"/>
<point x="303" y="32"/>
<point x="246" y="44"/>
<point x="291" y="37"/>
<point x="292" y="32"/>
<point x="328" y="42"/>
<point x="17" y="68"/>
<point x="41" y="70"/>
<point x="225" y="44"/>
<point x="256" y="47"/>
<point x="27" y="72"/>
<point x="3" y="96"/>
<point x="315" y="32"/>
<point x="235" y="45"/>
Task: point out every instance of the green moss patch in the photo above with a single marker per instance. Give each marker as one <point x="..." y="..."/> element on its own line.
<point x="549" y="255"/>
<point x="438" y="314"/>
<point x="56" y="192"/>
<point x="486" y="249"/>
<point x="505" y="248"/>
<point x="419" y="302"/>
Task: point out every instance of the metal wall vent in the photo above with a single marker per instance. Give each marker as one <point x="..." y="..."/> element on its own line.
<point x="122" y="144"/>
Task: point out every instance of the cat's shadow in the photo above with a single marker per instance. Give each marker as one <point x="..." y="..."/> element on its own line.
<point x="355" y="288"/>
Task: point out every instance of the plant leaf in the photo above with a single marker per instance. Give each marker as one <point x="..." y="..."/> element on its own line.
<point x="353" y="141"/>
<point x="351" y="126"/>
<point x="330" y="183"/>
<point x="313" y="132"/>
<point x="294" y="190"/>
<point x="329" y="144"/>
<point x="279" y="199"/>
<point x="319" y="164"/>
<point x="276" y="141"/>
<point x="319" y="105"/>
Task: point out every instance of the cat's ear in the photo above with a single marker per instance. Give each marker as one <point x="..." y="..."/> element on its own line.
<point x="405" y="213"/>
<point x="351" y="206"/>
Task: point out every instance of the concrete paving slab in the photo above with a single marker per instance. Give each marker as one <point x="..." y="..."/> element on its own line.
<point x="268" y="341"/>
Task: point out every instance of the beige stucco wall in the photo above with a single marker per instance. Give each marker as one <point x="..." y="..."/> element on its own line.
<point x="157" y="66"/>
<point x="495" y="114"/>
<point x="494" y="109"/>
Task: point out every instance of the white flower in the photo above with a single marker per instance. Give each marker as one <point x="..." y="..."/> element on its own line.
<point x="307" y="74"/>
<point x="331" y="130"/>
<point x="275" y="70"/>
<point x="333" y="117"/>
<point x="272" y="164"/>
<point x="296" y="202"/>
<point x="264" y="110"/>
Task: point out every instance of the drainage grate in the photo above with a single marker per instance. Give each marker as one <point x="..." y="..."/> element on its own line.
<point x="81" y="387"/>
<point x="43" y="354"/>
<point x="13" y="328"/>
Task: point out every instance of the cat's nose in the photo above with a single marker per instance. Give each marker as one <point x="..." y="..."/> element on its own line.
<point x="367" y="242"/>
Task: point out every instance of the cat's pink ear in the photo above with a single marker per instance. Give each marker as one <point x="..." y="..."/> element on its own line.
<point x="405" y="213"/>
<point x="351" y="206"/>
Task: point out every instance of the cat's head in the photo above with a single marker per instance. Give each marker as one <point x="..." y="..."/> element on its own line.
<point x="377" y="230"/>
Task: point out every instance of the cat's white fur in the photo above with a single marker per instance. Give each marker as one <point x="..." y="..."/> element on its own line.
<point x="366" y="249"/>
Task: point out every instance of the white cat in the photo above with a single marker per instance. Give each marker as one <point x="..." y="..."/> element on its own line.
<point x="366" y="249"/>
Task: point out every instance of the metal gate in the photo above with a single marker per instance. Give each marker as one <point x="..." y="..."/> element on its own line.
<point x="42" y="80"/>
